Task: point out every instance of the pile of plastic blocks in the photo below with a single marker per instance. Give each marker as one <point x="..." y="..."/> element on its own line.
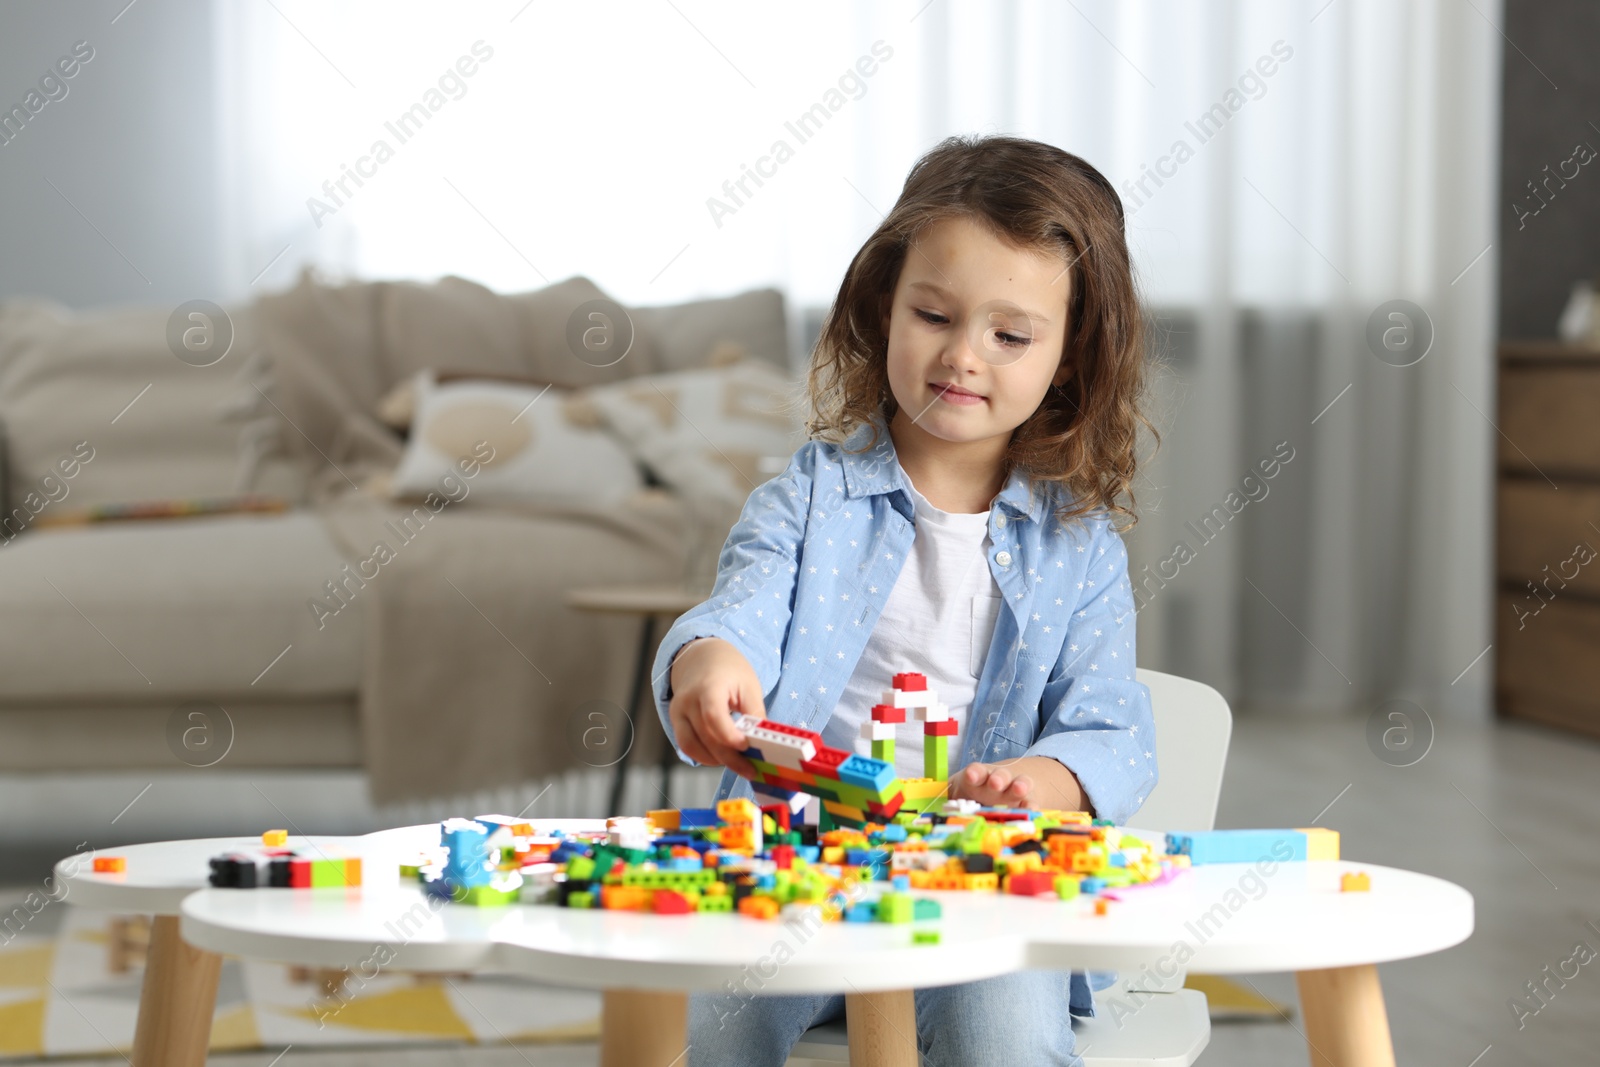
<point x="751" y="860"/>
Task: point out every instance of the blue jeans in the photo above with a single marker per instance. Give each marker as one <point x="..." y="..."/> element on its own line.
<point x="1016" y="1019"/>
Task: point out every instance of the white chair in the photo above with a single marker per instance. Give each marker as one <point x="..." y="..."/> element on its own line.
<point x="1169" y="1025"/>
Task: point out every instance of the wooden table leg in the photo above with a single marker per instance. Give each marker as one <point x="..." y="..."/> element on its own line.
<point x="177" y="1001"/>
<point x="1347" y="1024"/>
<point x="883" y="1028"/>
<point x="643" y="1029"/>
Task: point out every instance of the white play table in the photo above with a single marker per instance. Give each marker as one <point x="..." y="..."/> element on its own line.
<point x="1218" y="919"/>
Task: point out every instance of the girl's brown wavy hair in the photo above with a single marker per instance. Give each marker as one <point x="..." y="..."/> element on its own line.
<point x="1040" y="198"/>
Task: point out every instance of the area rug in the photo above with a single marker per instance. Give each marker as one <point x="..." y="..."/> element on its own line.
<point x="70" y="979"/>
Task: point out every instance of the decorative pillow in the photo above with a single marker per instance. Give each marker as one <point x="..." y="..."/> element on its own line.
<point x="540" y="447"/>
<point x="399" y="404"/>
<point x="706" y="432"/>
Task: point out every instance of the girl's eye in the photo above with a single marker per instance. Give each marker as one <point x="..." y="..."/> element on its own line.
<point x="1007" y="340"/>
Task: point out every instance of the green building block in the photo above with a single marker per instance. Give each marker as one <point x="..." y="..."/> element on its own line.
<point x="483" y="896"/>
<point x="1066" y="886"/>
<point x="327" y="873"/>
<point x="580" y="868"/>
<point x="924" y="937"/>
<point x="722" y="903"/>
<point x="926" y="908"/>
<point x="895" y="908"/>
<point x="883" y="750"/>
<point x="580" y="899"/>
<point x="936" y="757"/>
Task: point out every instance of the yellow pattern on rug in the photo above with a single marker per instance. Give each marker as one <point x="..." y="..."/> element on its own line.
<point x="424" y="1008"/>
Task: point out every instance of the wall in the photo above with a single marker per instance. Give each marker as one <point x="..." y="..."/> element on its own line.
<point x="1551" y="84"/>
<point x="132" y="148"/>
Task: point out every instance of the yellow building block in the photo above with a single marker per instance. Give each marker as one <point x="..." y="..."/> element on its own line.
<point x="1321" y="843"/>
<point x="738" y="810"/>
<point x="1355" y="882"/>
<point x="665" y="819"/>
<point x="275" y="838"/>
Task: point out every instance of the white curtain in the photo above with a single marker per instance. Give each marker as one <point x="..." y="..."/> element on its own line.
<point x="1334" y="156"/>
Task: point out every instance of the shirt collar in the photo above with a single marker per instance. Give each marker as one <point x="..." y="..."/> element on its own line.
<point x="877" y="470"/>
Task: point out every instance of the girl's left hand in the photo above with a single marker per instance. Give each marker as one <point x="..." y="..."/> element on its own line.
<point x="991" y="785"/>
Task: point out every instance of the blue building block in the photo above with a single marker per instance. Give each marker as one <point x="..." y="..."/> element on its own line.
<point x="1238" y="846"/>
<point x="696" y="818"/>
<point x="866" y="772"/>
<point x="892" y="833"/>
<point x="864" y="912"/>
<point x="468" y="864"/>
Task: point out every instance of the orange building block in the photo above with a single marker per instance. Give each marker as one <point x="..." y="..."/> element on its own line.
<point x="759" y="907"/>
<point x="1355" y="882"/>
<point x="110" y="864"/>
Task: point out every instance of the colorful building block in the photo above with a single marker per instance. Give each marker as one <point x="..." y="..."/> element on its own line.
<point x="1355" y="882"/>
<point x="275" y="838"/>
<point x="110" y="864"/>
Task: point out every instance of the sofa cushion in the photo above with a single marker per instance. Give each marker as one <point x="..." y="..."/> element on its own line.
<point x="530" y="444"/>
<point x="684" y="336"/>
<point x="157" y="426"/>
<point x="456" y="324"/>
<point x="178" y="608"/>
<point x="705" y="432"/>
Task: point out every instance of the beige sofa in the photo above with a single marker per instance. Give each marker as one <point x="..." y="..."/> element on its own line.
<point x="114" y="627"/>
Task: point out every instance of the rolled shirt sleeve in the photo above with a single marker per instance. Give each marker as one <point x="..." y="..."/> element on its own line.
<point x="1097" y="716"/>
<point x="752" y="599"/>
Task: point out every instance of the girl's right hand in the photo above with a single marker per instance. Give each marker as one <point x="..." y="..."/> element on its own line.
<point x="710" y="681"/>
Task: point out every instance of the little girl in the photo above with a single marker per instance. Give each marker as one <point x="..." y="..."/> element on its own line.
<point x="974" y="399"/>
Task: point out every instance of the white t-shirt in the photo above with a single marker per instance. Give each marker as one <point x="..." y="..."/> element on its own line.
<point x="938" y="621"/>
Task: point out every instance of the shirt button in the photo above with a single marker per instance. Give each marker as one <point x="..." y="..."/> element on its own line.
<point x="1003" y="558"/>
<point x="1000" y="522"/>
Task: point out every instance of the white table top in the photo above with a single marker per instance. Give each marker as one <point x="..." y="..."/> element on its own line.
<point x="1217" y="919"/>
<point x="161" y="874"/>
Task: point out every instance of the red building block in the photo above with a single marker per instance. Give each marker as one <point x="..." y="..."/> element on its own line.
<point x="779" y="813"/>
<point x="300" y="874"/>
<point x="911" y="682"/>
<point x="672" y="902"/>
<point x="947" y="728"/>
<point x="1032" y="883"/>
<point x="783" y="856"/>
<point x="826" y="763"/>
<point x="888" y="713"/>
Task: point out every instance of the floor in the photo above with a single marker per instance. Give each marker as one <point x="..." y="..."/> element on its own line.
<point x="1512" y="813"/>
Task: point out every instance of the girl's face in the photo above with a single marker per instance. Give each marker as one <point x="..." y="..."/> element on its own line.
<point x="976" y="313"/>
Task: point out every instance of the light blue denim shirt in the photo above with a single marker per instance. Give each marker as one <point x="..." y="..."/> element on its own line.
<point x="808" y="567"/>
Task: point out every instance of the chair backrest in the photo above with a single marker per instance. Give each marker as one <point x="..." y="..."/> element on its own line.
<point x="1193" y="725"/>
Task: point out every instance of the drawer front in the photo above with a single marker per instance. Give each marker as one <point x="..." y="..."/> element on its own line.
<point x="1548" y="537"/>
<point x="1547" y="665"/>
<point x="1550" y="420"/>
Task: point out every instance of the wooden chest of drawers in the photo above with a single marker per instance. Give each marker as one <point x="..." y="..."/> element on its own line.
<point x="1547" y="543"/>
